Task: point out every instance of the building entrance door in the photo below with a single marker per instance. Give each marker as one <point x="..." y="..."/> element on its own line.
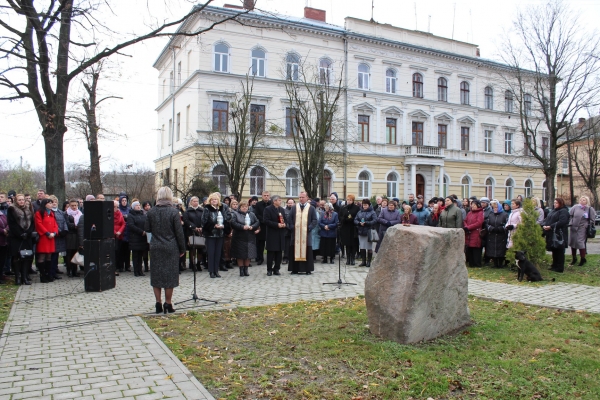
<point x="420" y="185"/>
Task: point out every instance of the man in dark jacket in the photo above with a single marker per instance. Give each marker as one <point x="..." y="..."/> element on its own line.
<point x="487" y="210"/>
<point x="41" y="195"/>
<point x="276" y="228"/>
<point x="288" y="233"/>
<point x="259" y="210"/>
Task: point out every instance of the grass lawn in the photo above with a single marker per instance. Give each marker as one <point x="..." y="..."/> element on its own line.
<point x="324" y="350"/>
<point x="589" y="274"/>
<point x="8" y="291"/>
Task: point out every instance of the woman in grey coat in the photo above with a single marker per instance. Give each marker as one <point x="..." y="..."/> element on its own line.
<point x="582" y="215"/>
<point x="166" y="247"/>
<point x="243" y="243"/>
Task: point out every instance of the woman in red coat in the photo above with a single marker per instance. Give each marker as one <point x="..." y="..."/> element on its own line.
<point x="47" y="228"/>
<point x="472" y="227"/>
<point x="119" y="228"/>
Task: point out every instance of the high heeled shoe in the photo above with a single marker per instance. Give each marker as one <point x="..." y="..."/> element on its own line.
<point x="159" y="308"/>
<point x="217" y="274"/>
<point x="168" y="308"/>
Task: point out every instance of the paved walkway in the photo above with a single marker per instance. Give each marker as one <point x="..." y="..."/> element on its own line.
<point x="61" y="342"/>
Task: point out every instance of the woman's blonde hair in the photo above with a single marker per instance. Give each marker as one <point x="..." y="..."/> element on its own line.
<point x="214" y="196"/>
<point x="55" y="199"/>
<point x="242" y="204"/>
<point x="586" y="198"/>
<point x="164" y="193"/>
<point x="536" y="201"/>
<point x="409" y="209"/>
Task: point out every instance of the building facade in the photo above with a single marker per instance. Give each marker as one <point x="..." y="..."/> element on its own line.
<point x="424" y="114"/>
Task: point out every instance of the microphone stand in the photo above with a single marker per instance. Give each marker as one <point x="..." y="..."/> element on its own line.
<point x="195" y="296"/>
<point x="339" y="282"/>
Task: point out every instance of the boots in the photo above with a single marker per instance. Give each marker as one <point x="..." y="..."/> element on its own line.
<point x="44" y="276"/>
<point x="246" y="271"/>
<point x="139" y="270"/>
<point x="574" y="262"/>
<point x="74" y="273"/>
<point x="583" y="261"/>
<point x="16" y="268"/>
<point x="24" y="269"/>
<point x="348" y="258"/>
<point x="146" y="269"/>
<point x="369" y="258"/>
<point x="363" y="256"/>
<point x="242" y="271"/>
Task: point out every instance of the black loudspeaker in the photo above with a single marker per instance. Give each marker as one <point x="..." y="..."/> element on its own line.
<point x="98" y="220"/>
<point x="99" y="262"/>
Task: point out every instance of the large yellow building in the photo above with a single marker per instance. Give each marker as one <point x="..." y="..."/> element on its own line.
<point x="425" y="114"/>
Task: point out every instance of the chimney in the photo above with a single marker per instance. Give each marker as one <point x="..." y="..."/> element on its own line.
<point x="314" y="13"/>
<point x="581" y="120"/>
<point x="233" y="6"/>
<point x="249" y="4"/>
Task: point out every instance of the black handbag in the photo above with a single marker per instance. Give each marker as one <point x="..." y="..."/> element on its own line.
<point x="558" y="242"/>
<point x="25" y="254"/>
<point x="591" y="230"/>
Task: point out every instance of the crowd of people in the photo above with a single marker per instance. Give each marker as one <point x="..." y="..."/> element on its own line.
<point x="220" y="233"/>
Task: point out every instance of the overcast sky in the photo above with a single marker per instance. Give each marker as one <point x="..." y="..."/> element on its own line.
<point x="479" y="22"/>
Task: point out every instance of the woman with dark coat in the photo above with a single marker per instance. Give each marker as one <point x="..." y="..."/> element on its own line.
<point x="21" y="233"/>
<point x="582" y="215"/>
<point x="408" y="218"/>
<point x="364" y="221"/>
<point x="328" y="232"/>
<point x="243" y="244"/>
<point x="166" y="246"/>
<point x="472" y="227"/>
<point x="47" y="228"/>
<point x="213" y="225"/>
<point x="433" y="219"/>
<point x="192" y="220"/>
<point x="347" y="228"/>
<point x="388" y="217"/>
<point x="138" y="241"/>
<point x="73" y="215"/>
<point x="557" y="221"/>
<point x="124" y="251"/>
<point x="495" y="247"/>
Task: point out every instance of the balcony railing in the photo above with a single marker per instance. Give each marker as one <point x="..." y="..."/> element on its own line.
<point x="424" y="151"/>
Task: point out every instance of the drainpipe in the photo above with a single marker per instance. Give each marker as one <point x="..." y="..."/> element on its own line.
<point x="172" y="127"/>
<point x="345" y="115"/>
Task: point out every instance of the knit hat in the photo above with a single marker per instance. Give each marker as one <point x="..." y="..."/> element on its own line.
<point x="134" y="204"/>
<point x="90" y="197"/>
<point x="485" y="200"/>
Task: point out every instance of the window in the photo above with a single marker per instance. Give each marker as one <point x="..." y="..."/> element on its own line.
<point x="164" y="89"/>
<point x="363" y="76"/>
<point x="162" y="137"/>
<point x="508" y="143"/>
<point x="363" y="128"/>
<point x="417" y="85"/>
<point x="417" y="134"/>
<point x="489" y="98"/>
<point x="221" y="58"/>
<point x="544" y="191"/>
<point x="189" y="62"/>
<point x="464" y="138"/>
<point x="465" y="187"/>
<point x="291" y="127"/>
<point x="363" y="185"/>
<point x="565" y="165"/>
<point x="187" y="120"/>
<point x="325" y="71"/>
<point x="220" y="113"/>
<point x="392" y="185"/>
<point x="509" y="189"/>
<point x="171" y="82"/>
<point x="292" y="183"/>
<point x="545" y="145"/>
<point x="258" y="63"/>
<point x="528" y="188"/>
<point x="508" y="101"/>
<point x="442" y="89"/>
<point x="170" y="132"/>
<point x="445" y="186"/>
<point x="442" y="136"/>
<point x="257" y="181"/>
<point x="489" y="188"/>
<point x="292" y="67"/>
<point x="257" y="118"/>
<point x="179" y="74"/>
<point x="326" y="187"/>
<point x="487" y="141"/>
<point x="178" y="130"/>
<point x="526" y="145"/>
<point x="219" y="176"/>
<point x="527" y="104"/>
<point x="390" y="81"/>
<point x="390" y="130"/>
<point x="464" y="93"/>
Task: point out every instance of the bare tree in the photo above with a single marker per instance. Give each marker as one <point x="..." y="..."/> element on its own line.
<point x="238" y="149"/>
<point x="553" y="76"/>
<point x="313" y="121"/>
<point x="20" y="178"/>
<point x="137" y="182"/>
<point x="38" y="45"/>
<point x="586" y="157"/>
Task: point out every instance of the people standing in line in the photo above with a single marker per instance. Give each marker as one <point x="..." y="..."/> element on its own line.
<point x="387" y="218"/>
<point x="166" y="247"/>
<point x="243" y="245"/>
<point x="452" y="216"/>
<point x="192" y="219"/>
<point x="408" y="218"/>
<point x="302" y="220"/>
<point x="328" y="225"/>
<point x="421" y="213"/>
<point x="472" y="227"/>
<point x="21" y="236"/>
<point x="138" y="241"/>
<point x="276" y="226"/>
<point x="213" y="219"/>
<point x="365" y="220"/>
<point x="347" y="227"/>
<point x="119" y="228"/>
<point x="72" y="215"/>
<point x="495" y="247"/>
<point x="433" y="219"/>
<point x="259" y="210"/>
<point x="60" y="242"/>
<point x="557" y="222"/>
<point x="124" y="252"/>
<point x="289" y="204"/>
<point x="47" y="229"/>
<point x="514" y="219"/>
<point x="581" y="216"/>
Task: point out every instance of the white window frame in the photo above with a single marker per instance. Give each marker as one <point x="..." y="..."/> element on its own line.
<point x="508" y="142"/>
<point x="392" y="185"/>
<point x="258" y="60"/>
<point x="325" y="71"/>
<point x="528" y="189"/>
<point x="256" y="188"/>
<point x="442" y="90"/>
<point x="364" y="186"/>
<point x="527" y="104"/>
<point x="170" y="139"/>
<point x="465" y="94"/>
<point x="178" y="128"/>
<point x="179" y="74"/>
<point x="488" y="141"/>
<point x="219" y="177"/>
<point x="488" y="98"/>
<point x="187" y="120"/>
<point x="489" y="189"/>
<point x="509" y="190"/>
<point x="465" y="188"/>
<point x="292" y="183"/>
<point x="222" y="56"/>
<point x="509" y="101"/>
<point x="390" y="81"/>
<point x="292" y="63"/>
<point x="364" y="77"/>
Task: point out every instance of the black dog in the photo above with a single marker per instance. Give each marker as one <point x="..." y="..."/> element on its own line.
<point x="526" y="268"/>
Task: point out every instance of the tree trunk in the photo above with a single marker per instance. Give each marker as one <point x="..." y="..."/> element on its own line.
<point x="95" y="179"/>
<point x="55" y="166"/>
<point x="551" y="190"/>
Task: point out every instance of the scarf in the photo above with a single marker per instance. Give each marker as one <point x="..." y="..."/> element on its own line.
<point x="329" y="214"/>
<point x="164" y="203"/>
<point x="75" y="214"/>
<point x="406" y="217"/>
<point x="23" y="216"/>
<point x="435" y="216"/>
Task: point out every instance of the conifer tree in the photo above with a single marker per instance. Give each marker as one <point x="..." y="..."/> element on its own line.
<point x="528" y="236"/>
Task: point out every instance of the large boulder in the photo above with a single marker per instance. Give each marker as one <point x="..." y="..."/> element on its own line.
<point x="417" y="286"/>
